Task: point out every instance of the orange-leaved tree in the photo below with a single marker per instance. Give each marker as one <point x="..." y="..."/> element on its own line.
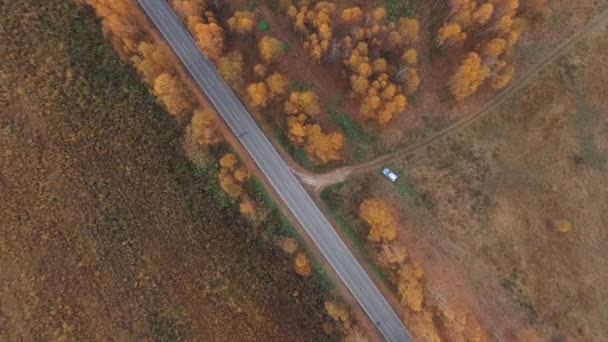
<point x="410" y="288"/>
<point x="323" y="147"/>
<point x="258" y="94"/>
<point x="232" y="176"/>
<point x="352" y="15"/>
<point x="469" y="76"/>
<point x="242" y="22"/>
<point x="378" y="215"/>
<point x="203" y="127"/>
<point x="231" y="68"/>
<point x="209" y="37"/>
<point x="277" y="84"/>
<point x="271" y="49"/>
<point x="306" y="102"/>
<point x="302" y="265"/>
<point x="171" y="93"/>
<point x="449" y="34"/>
<point x="151" y="60"/>
<point x="188" y="8"/>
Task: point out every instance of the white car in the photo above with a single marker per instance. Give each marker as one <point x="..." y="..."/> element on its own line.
<point x="389" y="174"/>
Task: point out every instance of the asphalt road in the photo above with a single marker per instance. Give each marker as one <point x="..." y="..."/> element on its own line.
<point x="276" y="170"/>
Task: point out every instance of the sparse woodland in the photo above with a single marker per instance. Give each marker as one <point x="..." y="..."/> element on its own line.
<point x="426" y="317"/>
<point x="381" y="57"/>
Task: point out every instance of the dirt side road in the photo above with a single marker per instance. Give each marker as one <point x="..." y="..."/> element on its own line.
<point x="320" y="181"/>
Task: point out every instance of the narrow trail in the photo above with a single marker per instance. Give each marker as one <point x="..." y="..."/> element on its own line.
<point x="320" y="181"/>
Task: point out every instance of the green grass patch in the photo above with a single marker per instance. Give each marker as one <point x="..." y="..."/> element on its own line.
<point x="403" y="186"/>
<point x="299" y="85"/>
<point x="361" y="142"/>
<point x="352" y="130"/>
<point x="396" y="9"/>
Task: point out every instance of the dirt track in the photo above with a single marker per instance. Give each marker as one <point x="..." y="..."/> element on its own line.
<point x="319" y="181"/>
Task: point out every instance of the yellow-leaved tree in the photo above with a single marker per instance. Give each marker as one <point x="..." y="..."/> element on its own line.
<point x="203" y="127"/>
<point x="242" y="22"/>
<point x="449" y="34"/>
<point x="258" y="94"/>
<point x="271" y="49"/>
<point x="232" y="176"/>
<point x="188" y="8"/>
<point x="209" y="37"/>
<point x="378" y="215"/>
<point x="410" y="288"/>
<point x="151" y="60"/>
<point x="306" y="102"/>
<point x="469" y="76"/>
<point x="277" y="84"/>
<point x="231" y="68"/>
<point x="171" y="93"/>
<point x="302" y="265"/>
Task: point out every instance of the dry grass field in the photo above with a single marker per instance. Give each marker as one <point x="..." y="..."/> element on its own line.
<point x="106" y="232"/>
<point x="516" y="205"/>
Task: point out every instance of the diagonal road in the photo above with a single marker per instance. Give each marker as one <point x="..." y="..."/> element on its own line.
<point x="277" y="172"/>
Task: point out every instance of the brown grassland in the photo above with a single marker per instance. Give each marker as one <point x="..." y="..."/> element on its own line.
<point x="106" y="231"/>
<point x="509" y="215"/>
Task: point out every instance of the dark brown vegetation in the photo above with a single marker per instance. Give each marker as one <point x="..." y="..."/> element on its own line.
<point x="105" y="231"/>
<point x="517" y="203"/>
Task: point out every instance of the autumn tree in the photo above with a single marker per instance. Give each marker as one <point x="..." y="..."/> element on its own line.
<point x="410" y="57"/>
<point x="392" y="255"/>
<point x="377" y="214"/>
<point x="271" y="49"/>
<point x="248" y="209"/>
<point x="302" y="265"/>
<point x="412" y="80"/>
<point x="483" y="14"/>
<point x="289" y="245"/>
<point x="306" y="102"/>
<point x="469" y="76"/>
<point x="409" y="287"/>
<point x="352" y="15"/>
<point x="382" y="101"/>
<point x="449" y="34"/>
<point x="409" y="30"/>
<point x="493" y="48"/>
<point x="151" y="60"/>
<point x="296" y="127"/>
<point x="277" y="85"/>
<point x="203" y="127"/>
<point x="118" y="22"/>
<point x="258" y="94"/>
<point x="188" y="8"/>
<point x="316" y="25"/>
<point x="242" y="22"/>
<point x="210" y="38"/>
<point x="323" y="147"/>
<point x="232" y="176"/>
<point x="504" y="75"/>
<point x="338" y="312"/>
<point x="231" y="68"/>
<point x="171" y="93"/>
<point x="259" y="70"/>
